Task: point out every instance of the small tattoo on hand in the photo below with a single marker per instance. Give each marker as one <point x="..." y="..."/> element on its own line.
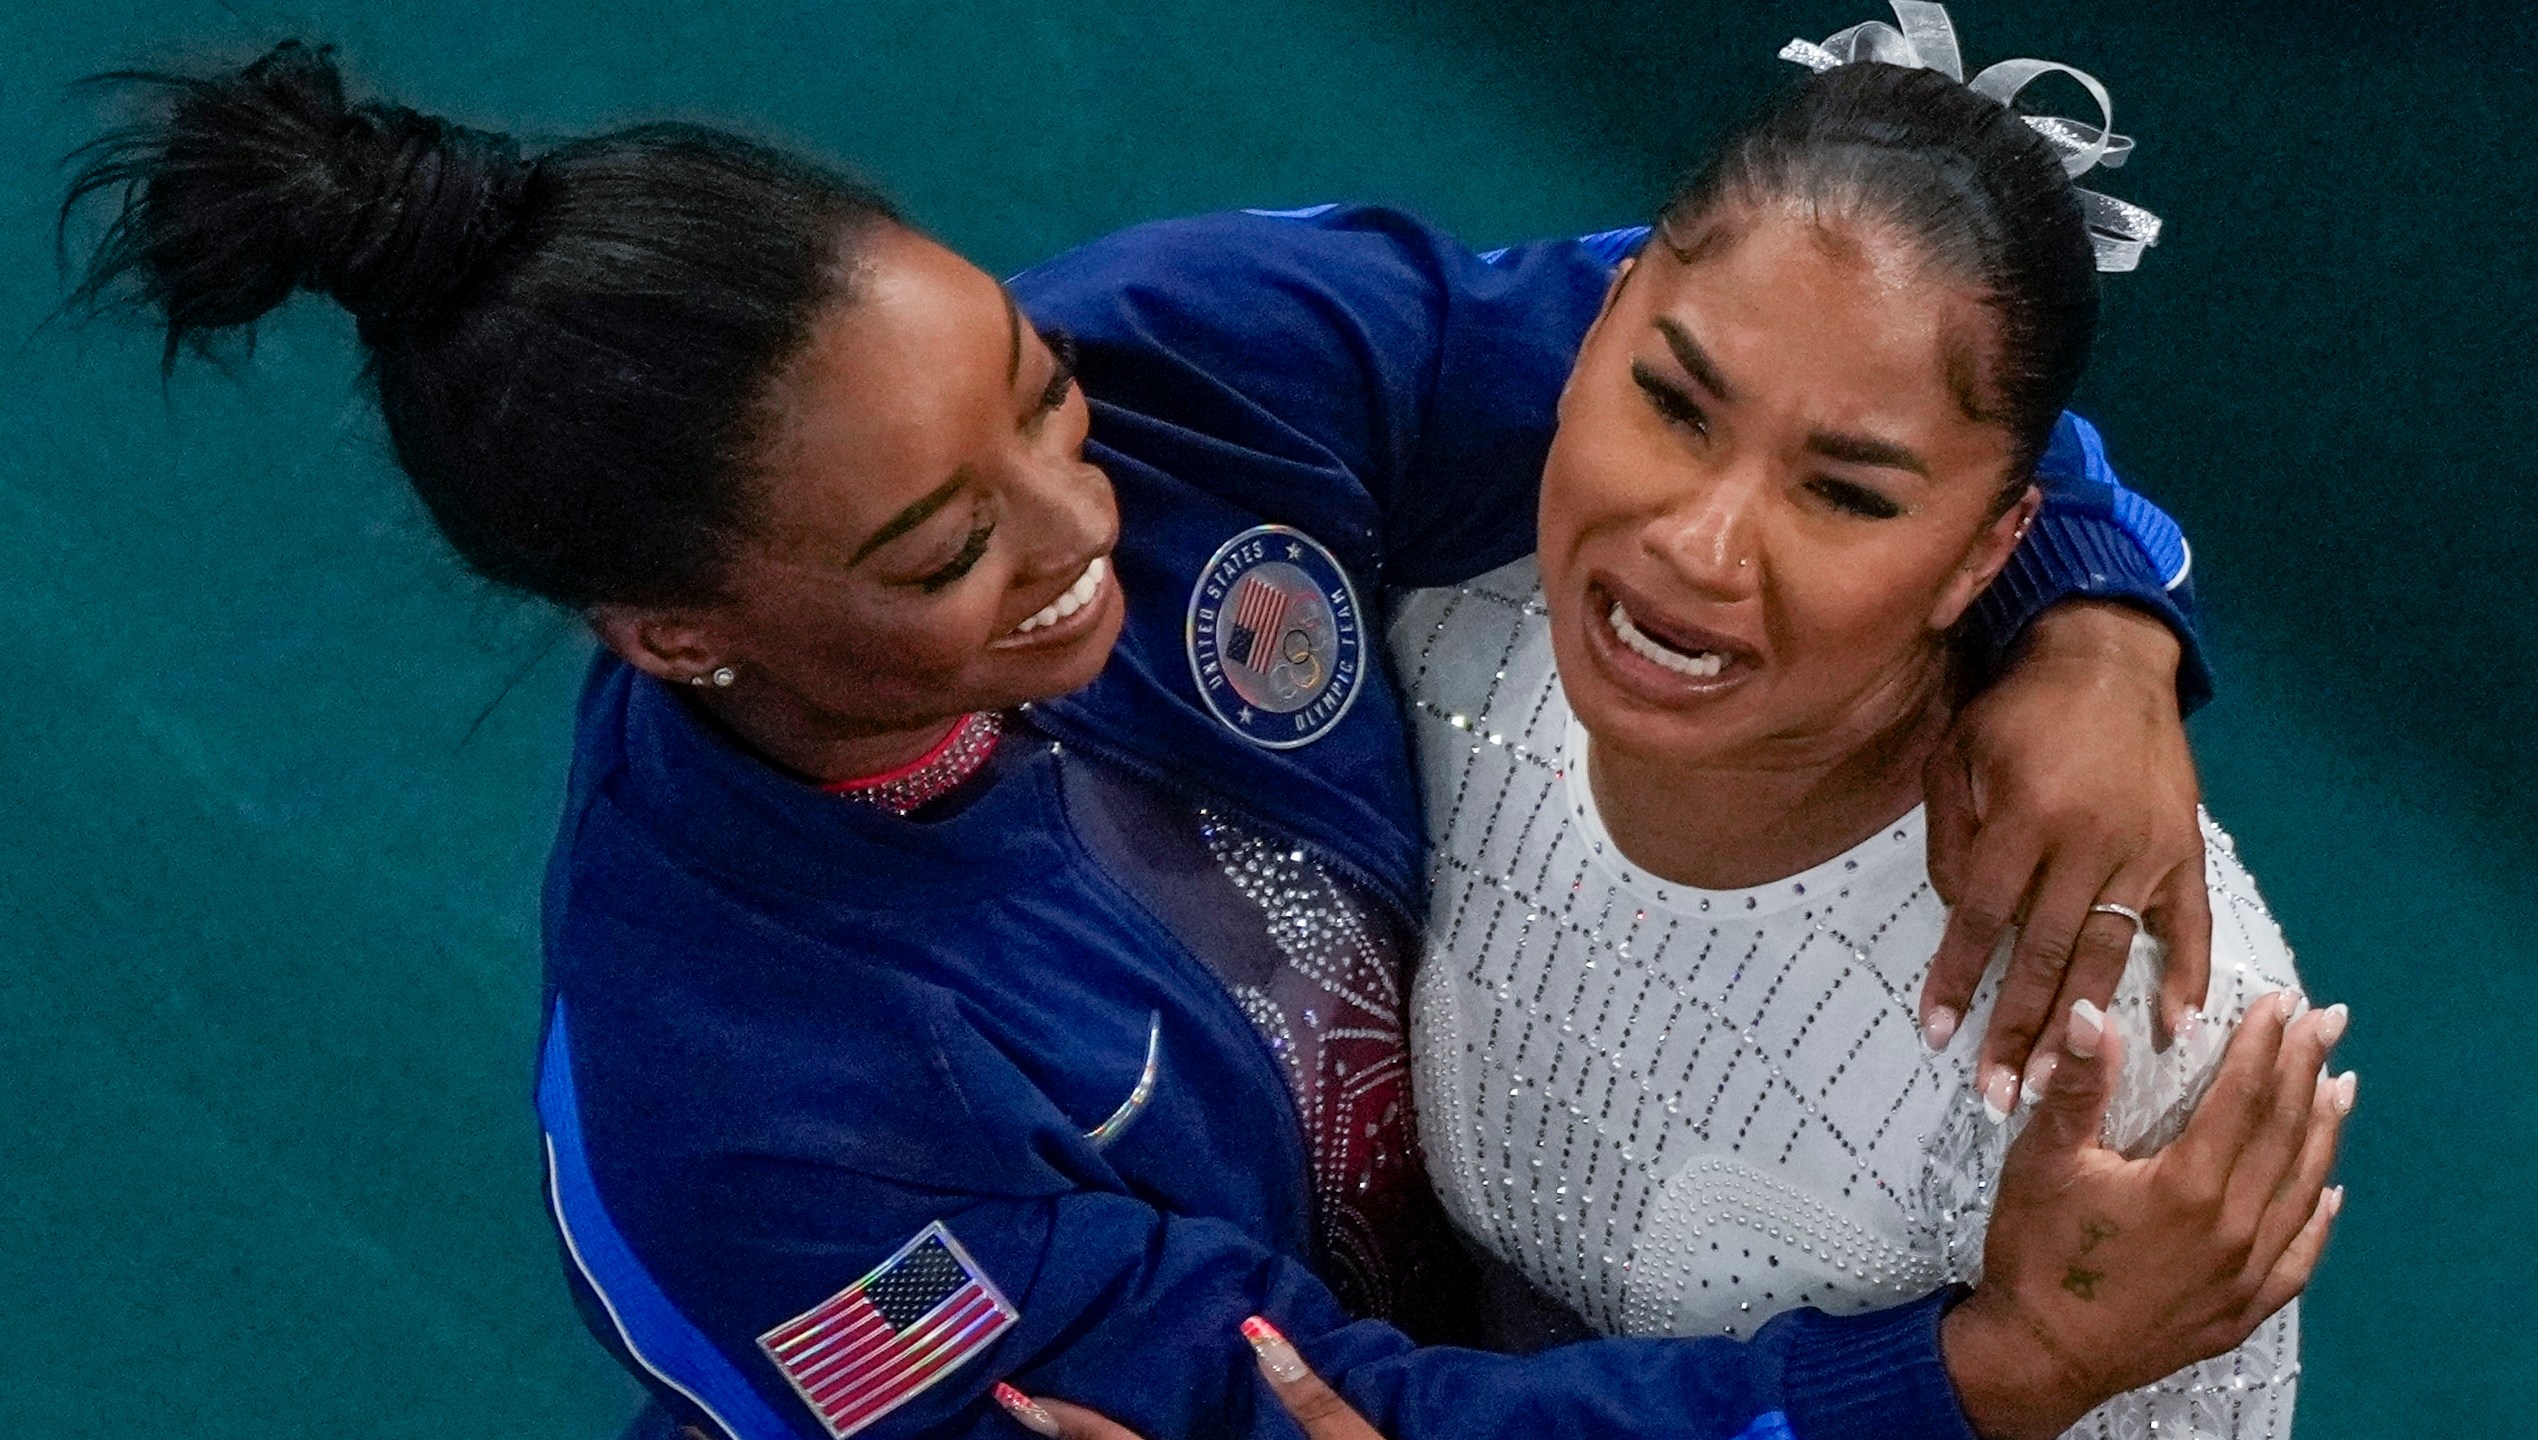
<point x="2082" y="1283"/>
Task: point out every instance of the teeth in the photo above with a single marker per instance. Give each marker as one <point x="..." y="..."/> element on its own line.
<point x="1702" y="666"/>
<point x="1077" y="596"/>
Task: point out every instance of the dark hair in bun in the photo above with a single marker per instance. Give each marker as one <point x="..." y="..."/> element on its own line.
<point x="1971" y="182"/>
<point x="572" y="352"/>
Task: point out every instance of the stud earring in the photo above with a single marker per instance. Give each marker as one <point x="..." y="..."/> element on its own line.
<point x="720" y="678"/>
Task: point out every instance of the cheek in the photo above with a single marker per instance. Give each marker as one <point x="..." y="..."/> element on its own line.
<point x="882" y="655"/>
<point x="1844" y="615"/>
<point x="1603" y="471"/>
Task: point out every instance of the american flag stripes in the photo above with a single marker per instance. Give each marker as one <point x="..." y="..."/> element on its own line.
<point x="882" y="1341"/>
<point x="1259" y="608"/>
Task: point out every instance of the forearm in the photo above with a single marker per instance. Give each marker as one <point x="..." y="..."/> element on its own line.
<point x="2121" y="640"/>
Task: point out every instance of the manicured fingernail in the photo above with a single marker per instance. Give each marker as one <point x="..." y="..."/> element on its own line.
<point x="2039" y="1075"/>
<point x="1938" y="1027"/>
<point x="2335" y="1202"/>
<point x="2331" y="1023"/>
<point x="2088" y="1026"/>
<point x="2286" y="1004"/>
<point x="1276" y="1355"/>
<point x="2000" y="1094"/>
<point x="2348" y="1088"/>
<point x="2192" y="1022"/>
<point x="1032" y="1415"/>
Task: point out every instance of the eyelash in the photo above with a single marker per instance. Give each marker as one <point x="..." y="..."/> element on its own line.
<point x="962" y="563"/>
<point x="1062" y="346"/>
<point x="1855" y="499"/>
<point x="1679" y="409"/>
<point x="1670" y="402"/>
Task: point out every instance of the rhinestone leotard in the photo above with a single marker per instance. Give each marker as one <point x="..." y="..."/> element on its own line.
<point x="1682" y="1111"/>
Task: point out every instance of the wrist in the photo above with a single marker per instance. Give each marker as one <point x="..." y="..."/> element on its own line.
<point x="2012" y="1380"/>
<point x="2105" y="632"/>
<point x="2110" y="633"/>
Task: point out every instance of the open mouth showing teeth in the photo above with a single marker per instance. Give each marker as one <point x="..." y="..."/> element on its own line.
<point x="1077" y="596"/>
<point x="1697" y="665"/>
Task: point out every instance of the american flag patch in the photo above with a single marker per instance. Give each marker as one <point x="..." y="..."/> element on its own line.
<point x="884" y="1340"/>
<point x="1259" y="609"/>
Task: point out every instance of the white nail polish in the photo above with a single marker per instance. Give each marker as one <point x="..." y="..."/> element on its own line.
<point x="2000" y="1094"/>
<point x="2331" y="1028"/>
<point x="2348" y="1088"/>
<point x="2039" y="1077"/>
<point x="2087" y="1028"/>
<point x="1939" y="1027"/>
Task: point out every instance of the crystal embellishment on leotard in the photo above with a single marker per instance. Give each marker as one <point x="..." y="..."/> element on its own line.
<point x="936" y="773"/>
<point x="1334" y="1021"/>
<point x="1682" y="1112"/>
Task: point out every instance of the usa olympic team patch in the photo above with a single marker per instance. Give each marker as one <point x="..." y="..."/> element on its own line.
<point x="1277" y="644"/>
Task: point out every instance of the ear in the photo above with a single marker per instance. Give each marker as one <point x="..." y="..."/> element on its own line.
<point x="1985" y="558"/>
<point x="671" y="645"/>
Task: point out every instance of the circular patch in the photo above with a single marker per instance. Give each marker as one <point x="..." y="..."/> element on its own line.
<point x="1276" y="643"/>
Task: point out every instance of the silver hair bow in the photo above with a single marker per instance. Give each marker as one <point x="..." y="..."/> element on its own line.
<point x="1927" y="41"/>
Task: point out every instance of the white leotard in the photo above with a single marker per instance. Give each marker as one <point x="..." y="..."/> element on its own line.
<point x="1683" y="1111"/>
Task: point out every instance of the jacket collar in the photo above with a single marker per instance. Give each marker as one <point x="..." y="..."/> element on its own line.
<point x="717" y="805"/>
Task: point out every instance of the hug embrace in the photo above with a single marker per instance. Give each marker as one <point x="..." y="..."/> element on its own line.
<point x="1277" y="822"/>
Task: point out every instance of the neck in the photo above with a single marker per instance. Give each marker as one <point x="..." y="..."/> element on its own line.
<point x="817" y="746"/>
<point x="1750" y="821"/>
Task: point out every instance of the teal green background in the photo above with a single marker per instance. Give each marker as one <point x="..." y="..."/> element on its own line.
<point x="280" y="778"/>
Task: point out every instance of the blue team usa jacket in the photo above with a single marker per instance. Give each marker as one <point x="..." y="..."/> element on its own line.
<point x="848" y="1118"/>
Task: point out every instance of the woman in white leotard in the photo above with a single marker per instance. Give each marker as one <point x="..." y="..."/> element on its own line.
<point x="1666" y="1052"/>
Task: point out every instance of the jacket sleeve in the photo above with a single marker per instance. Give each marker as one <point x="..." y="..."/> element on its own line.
<point x="1348" y="369"/>
<point x="1135" y="1313"/>
<point x="2094" y="540"/>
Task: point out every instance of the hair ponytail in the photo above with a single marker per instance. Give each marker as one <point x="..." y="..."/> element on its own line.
<point x="570" y="352"/>
<point x="253" y="185"/>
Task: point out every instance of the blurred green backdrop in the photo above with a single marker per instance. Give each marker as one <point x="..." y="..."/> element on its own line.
<point x="267" y="884"/>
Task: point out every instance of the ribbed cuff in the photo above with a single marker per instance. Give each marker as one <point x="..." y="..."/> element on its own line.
<point x="1877" y="1376"/>
<point x="2079" y="556"/>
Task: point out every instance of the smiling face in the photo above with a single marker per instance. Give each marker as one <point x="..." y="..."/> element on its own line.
<point x="1767" y="499"/>
<point x="929" y="539"/>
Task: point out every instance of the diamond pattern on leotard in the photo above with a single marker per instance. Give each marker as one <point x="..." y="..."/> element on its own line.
<point x="1683" y="1111"/>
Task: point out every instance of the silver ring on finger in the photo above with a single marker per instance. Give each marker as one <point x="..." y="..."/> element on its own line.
<point x="2109" y="907"/>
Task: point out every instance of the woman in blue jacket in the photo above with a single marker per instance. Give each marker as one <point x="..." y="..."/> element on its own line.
<point x="974" y="932"/>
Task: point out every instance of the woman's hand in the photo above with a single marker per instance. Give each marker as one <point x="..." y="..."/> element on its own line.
<point x="2102" y="1274"/>
<point x="2066" y="784"/>
<point x="1315" y="1406"/>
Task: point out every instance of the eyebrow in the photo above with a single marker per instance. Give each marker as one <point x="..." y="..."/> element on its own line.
<point x="1692" y="357"/>
<point x="915" y="515"/>
<point x="1866" y="450"/>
